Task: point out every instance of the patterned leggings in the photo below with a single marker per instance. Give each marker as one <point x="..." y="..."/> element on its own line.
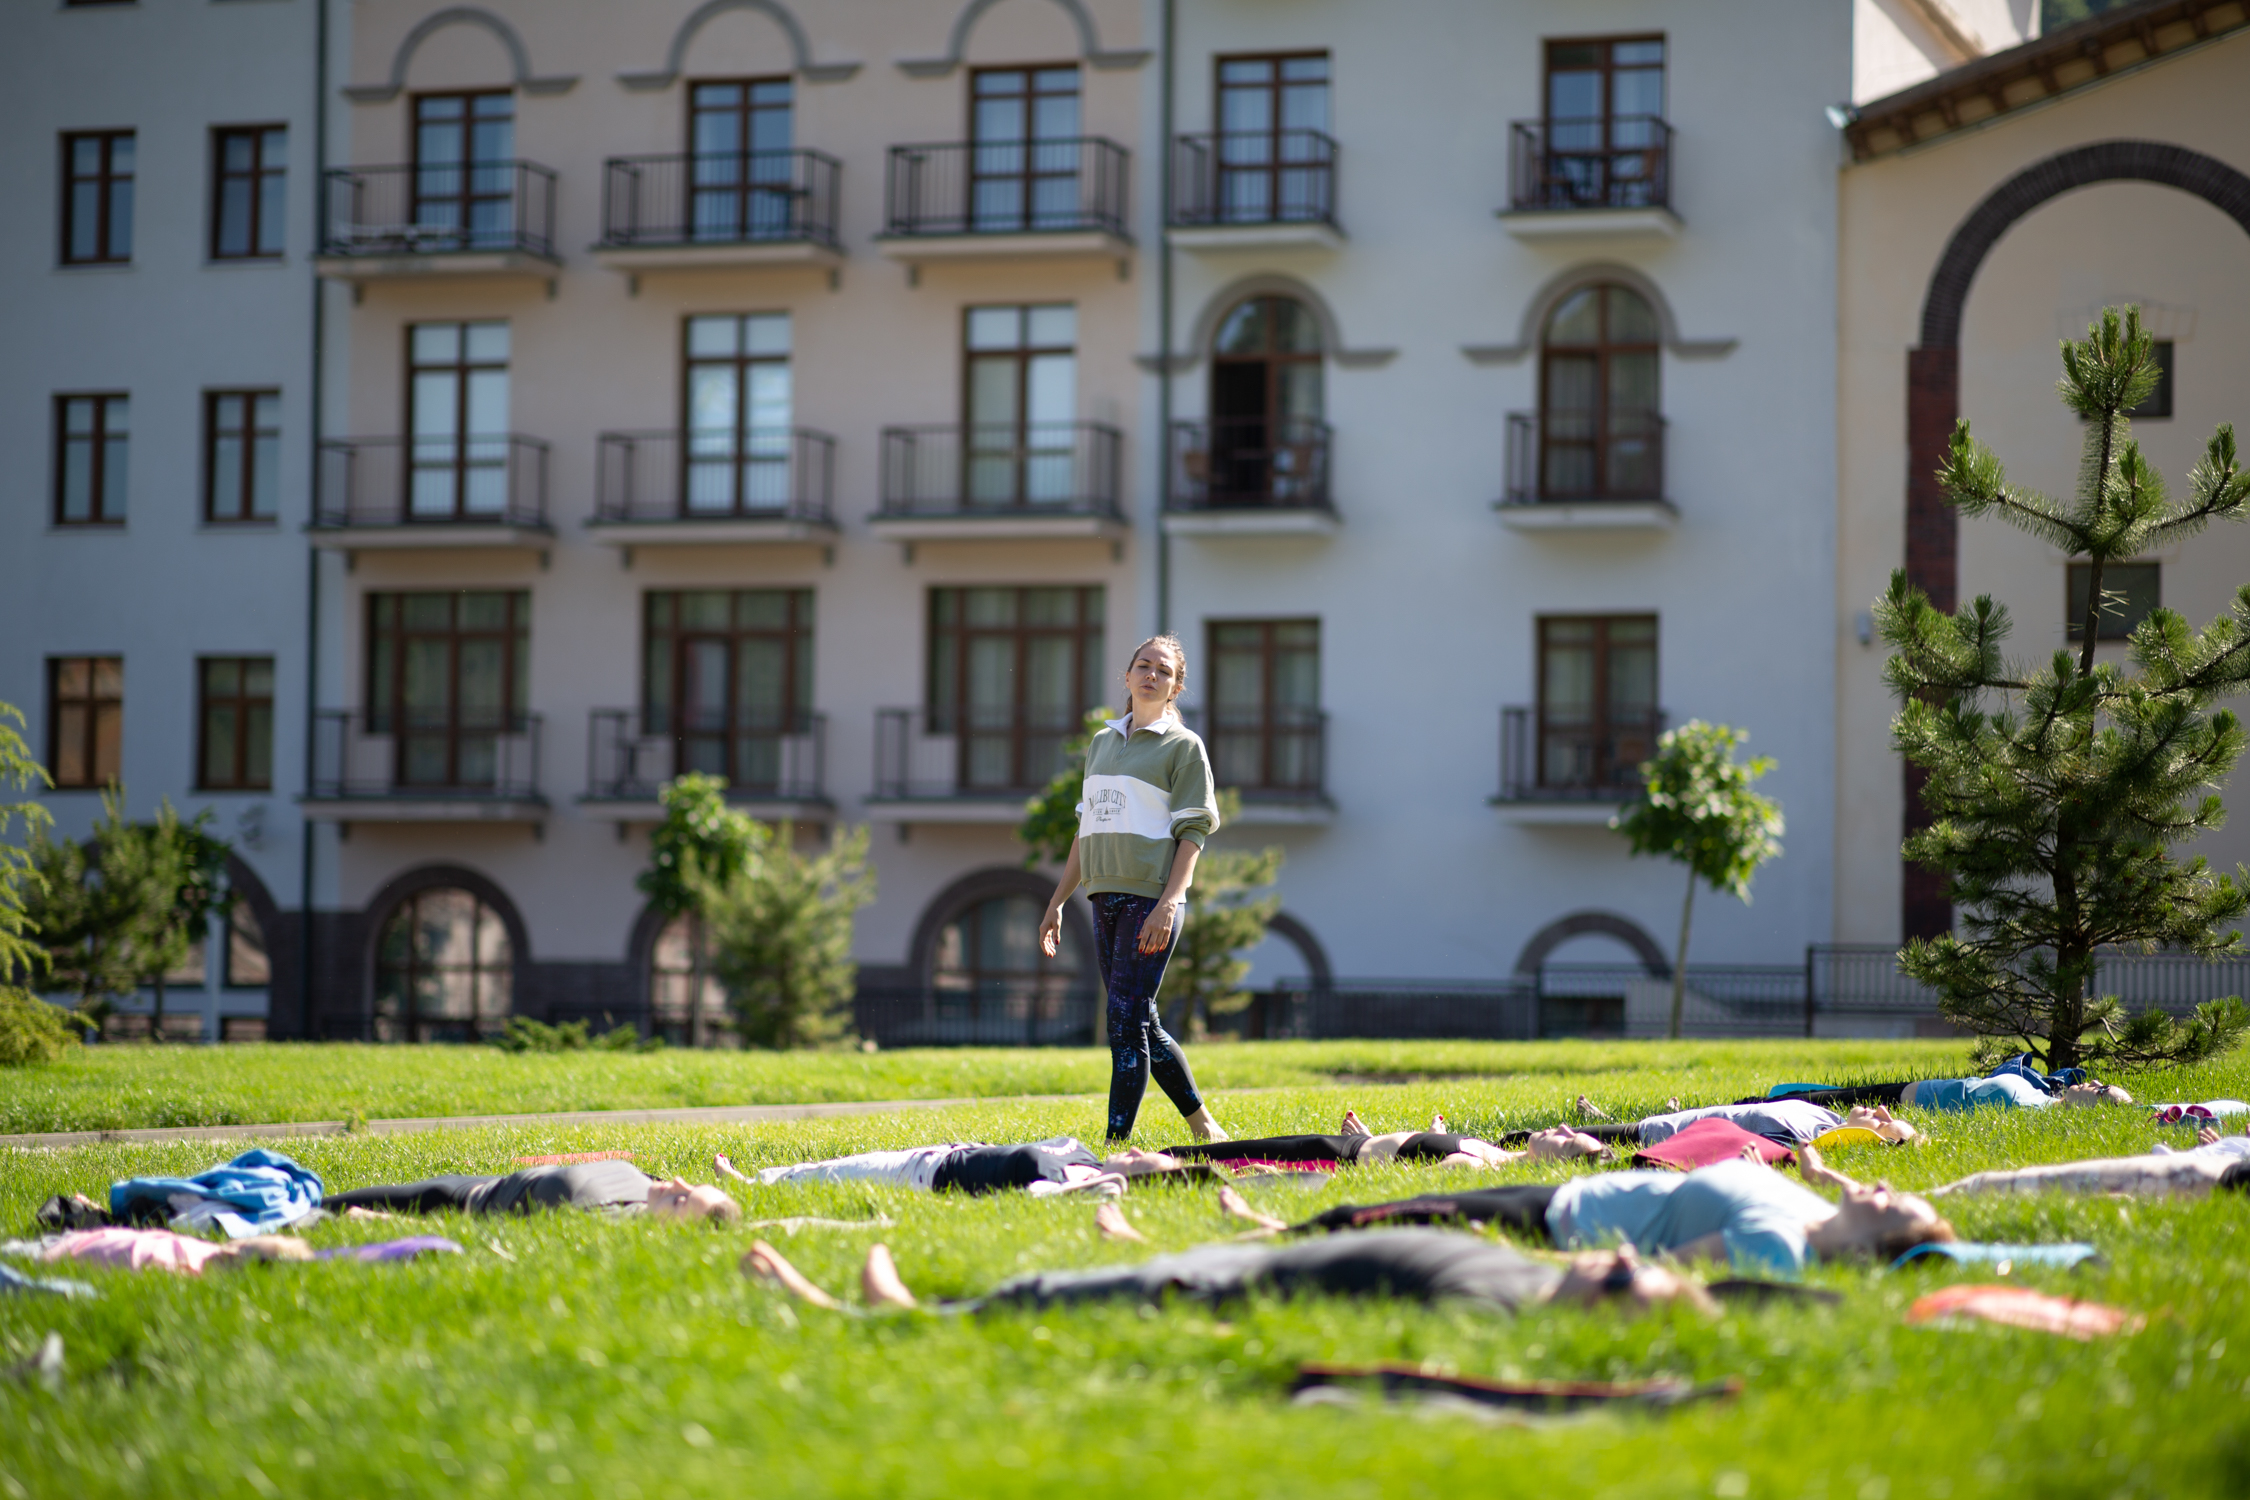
<point x="1138" y="1043"/>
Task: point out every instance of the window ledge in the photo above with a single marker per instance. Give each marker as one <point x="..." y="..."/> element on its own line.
<point x="968" y="808"/>
<point x="1588" y="515"/>
<point x="1283" y="812"/>
<point x="996" y="526"/>
<point x="406" y="807"/>
<point x="1591" y="223"/>
<point x="1581" y="813"/>
<point x="713" y="531"/>
<point x="1254" y="520"/>
<point x="442" y="536"/>
<point x="1036" y="244"/>
<point x="1315" y="235"/>
<point x="417" y="264"/>
<point x="636" y="259"/>
<point x="627" y="811"/>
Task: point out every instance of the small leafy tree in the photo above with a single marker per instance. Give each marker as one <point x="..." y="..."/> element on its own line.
<point x="2055" y="794"/>
<point x="1696" y="806"/>
<point x="1050" y="818"/>
<point x="31" y="1030"/>
<point x="700" y="833"/>
<point x="781" y="934"/>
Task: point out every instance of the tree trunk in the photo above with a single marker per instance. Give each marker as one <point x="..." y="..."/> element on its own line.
<point x="1679" y="961"/>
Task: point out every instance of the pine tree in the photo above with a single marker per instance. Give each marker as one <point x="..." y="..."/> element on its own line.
<point x="2056" y="794"/>
<point x="781" y="935"/>
<point x="31" y="1030"/>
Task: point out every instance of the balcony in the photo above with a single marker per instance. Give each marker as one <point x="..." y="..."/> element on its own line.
<point x="1038" y="481"/>
<point x="1255" y="190"/>
<point x="773" y="767"/>
<point x="726" y="211"/>
<point x="1250" y="477"/>
<point x="996" y="200"/>
<point x="1590" y="179"/>
<point x="762" y="486"/>
<point x="964" y="764"/>
<point x="1275" y="760"/>
<point x="388" y="493"/>
<point x="1581" y="479"/>
<point x="487" y="218"/>
<point x="1567" y="770"/>
<point x="405" y="767"/>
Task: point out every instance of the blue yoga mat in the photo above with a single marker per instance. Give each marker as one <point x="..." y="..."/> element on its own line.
<point x="2067" y="1254"/>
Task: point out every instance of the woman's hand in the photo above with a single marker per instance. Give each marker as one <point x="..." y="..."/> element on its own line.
<point x="1156" y="931"/>
<point x="1050" y="930"/>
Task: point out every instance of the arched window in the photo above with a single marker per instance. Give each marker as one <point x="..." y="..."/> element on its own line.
<point x="686" y="1003"/>
<point x="1268" y="444"/>
<point x="444" y="969"/>
<point x="990" y="982"/>
<point x="1601" y="435"/>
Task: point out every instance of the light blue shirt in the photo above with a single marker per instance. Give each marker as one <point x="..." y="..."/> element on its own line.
<point x="1959" y="1095"/>
<point x="1758" y="1212"/>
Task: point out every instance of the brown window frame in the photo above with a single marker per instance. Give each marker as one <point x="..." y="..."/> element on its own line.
<point x="484" y="978"/>
<point x="1027" y="174"/>
<point x="750" y="442"/>
<point x="97" y="457"/>
<point x="1276" y="161"/>
<point x="471" y="449"/>
<point x="1608" y="70"/>
<point x="1611" y="769"/>
<point x="106" y="180"/>
<point x="386" y="676"/>
<point x="948" y="713"/>
<point x="96" y="709"/>
<point x="1643" y="178"/>
<point x="1022" y="445"/>
<point x="1604" y="413"/>
<point x="246" y="429"/>
<point x="466" y="195"/>
<point x="1274" y="726"/>
<point x="666" y="645"/>
<point x="256" y="175"/>
<point x="763" y="188"/>
<point x="246" y="707"/>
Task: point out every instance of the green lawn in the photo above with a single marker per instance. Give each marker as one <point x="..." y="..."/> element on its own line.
<point x="576" y="1355"/>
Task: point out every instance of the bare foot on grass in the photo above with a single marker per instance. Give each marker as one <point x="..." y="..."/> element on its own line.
<point x="880" y="1282"/>
<point x="1203" y="1127"/>
<point x="1235" y="1206"/>
<point x="1589" y="1110"/>
<point x="725" y="1168"/>
<point x="1437" y="1124"/>
<point x="1110" y="1220"/>
<point x="1354" y="1125"/>
<point x="764" y="1263"/>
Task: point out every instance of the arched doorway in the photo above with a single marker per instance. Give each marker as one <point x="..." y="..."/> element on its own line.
<point x="981" y="977"/>
<point x="444" y="968"/>
<point x="1268" y="440"/>
<point x="687" y="1005"/>
<point x="1601" y="431"/>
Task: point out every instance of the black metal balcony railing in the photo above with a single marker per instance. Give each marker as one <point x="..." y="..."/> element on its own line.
<point x="630" y="756"/>
<point x="1007" y="187"/>
<point x="409" y="754"/>
<point x="1266" y="755"/>
<point x="1014" y="1010"/>
<point x="725" y="198"/>
<point x="1547" y="757"/>
<point x="1584" y="455"/>
<point x="779" y="473"/>
<point x="395" y="481"/>
<point x="1622" y="162"/>
<point x="1000" y="469"/>
<point x="439" y="209"/>
<point x="1249" y="463"/>
<point x="963" y="751"/>
<point x="1254" y="177"/>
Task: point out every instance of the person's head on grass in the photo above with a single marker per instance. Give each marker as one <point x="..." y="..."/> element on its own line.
<point x="1871" y="1218"/>
<point x="1561" y="1143"/>
<point x="680" y="1199"/>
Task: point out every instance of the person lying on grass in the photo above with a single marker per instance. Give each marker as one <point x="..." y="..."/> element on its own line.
<point x="1741" y="1212"/>
<point x="613" y="1185"/>
<point x="2216" y="1161"/>
<point x="1790" y="1122"/>
<point x="1420" y="1265"/>
<point x="1356" y="1144"/>
<point x="1959" y="1095"/>
<point x="1043" y="1168"/>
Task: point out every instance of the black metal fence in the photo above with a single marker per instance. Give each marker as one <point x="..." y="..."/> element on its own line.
<point x="1000" y="468"/>
<point x="719" y="198"/>
<point x="439" y="208"/>
<point x="1555" y="761"/>
<point x="408" y="754"/>
<point x="1249" y="463"/>
<point x="1270" y="755"/>
<point x="629" y="759"/>
<point x="399" y="481"/>
<point x="1584" y="456"/>
<point x="726" y="474"/>
<point x="970" y="751"/>
<point x="1254" y="177"/>
<point x="1624" y="161"/>
<point x="1007" y="187"/>
<point x="1032" y="1014"/>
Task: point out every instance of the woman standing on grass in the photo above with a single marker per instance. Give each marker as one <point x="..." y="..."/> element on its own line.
<point x="1143" y="815"/>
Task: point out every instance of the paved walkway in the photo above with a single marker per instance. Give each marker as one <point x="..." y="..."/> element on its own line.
<point x="724" y="1114"/>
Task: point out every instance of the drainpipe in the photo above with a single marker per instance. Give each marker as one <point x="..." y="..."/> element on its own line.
<point x="1164" y="328"/>
<point x="305" y="826"/>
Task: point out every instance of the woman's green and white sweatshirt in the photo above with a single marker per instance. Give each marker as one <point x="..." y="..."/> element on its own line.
<point x="1144" y="792"/>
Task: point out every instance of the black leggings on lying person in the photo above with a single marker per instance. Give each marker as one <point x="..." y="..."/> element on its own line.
<point x="595" y="1184"/>
<point x="1845" y="1099"/>
<point x="1520" y="1207"/>
<point x="1427" y="1145"/>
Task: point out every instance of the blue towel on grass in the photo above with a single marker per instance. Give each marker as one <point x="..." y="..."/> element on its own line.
<point x="1784" y="1090"/>
<point x="2020" y="1066"/>
<point x="256" y="1193"/>
<point x="2066" y="1254"/>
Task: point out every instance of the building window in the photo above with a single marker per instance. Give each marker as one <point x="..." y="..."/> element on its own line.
<point x="241" y="455"/>
<point x="1021" y="388"/>
<point x="987" y="967"/>
<point x="234" y="751"/>
<point x="1268" y="444"/>
<point x="687" y="1004"/>
<point x="85" y="720"/>
<point x="1265" y="705"/>
<point x="738" y="413"/>
<point x="1023" y="153"/>
<point x="464" y="169"/>
<point x="2129" y="591"/>
<point x="457" y="399"/>
<point x="444" y="969"/>
<point x="97" y="216"/>
<point x="249" y="966"/>
<point x="1605" y="122"/>
<point x="1274" y="162"/>
<point x="448" y="675"/>
<point x="247" y="221"/>
<point x="728" y="678"/>
<point x="1011" y="673"/>
<point x="1601" y="435"/>
<point x="90" y="450"/>
<point x="742" y="176"/>
<point x="1598" y="718"/>
<point x="2158" y="404"/>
